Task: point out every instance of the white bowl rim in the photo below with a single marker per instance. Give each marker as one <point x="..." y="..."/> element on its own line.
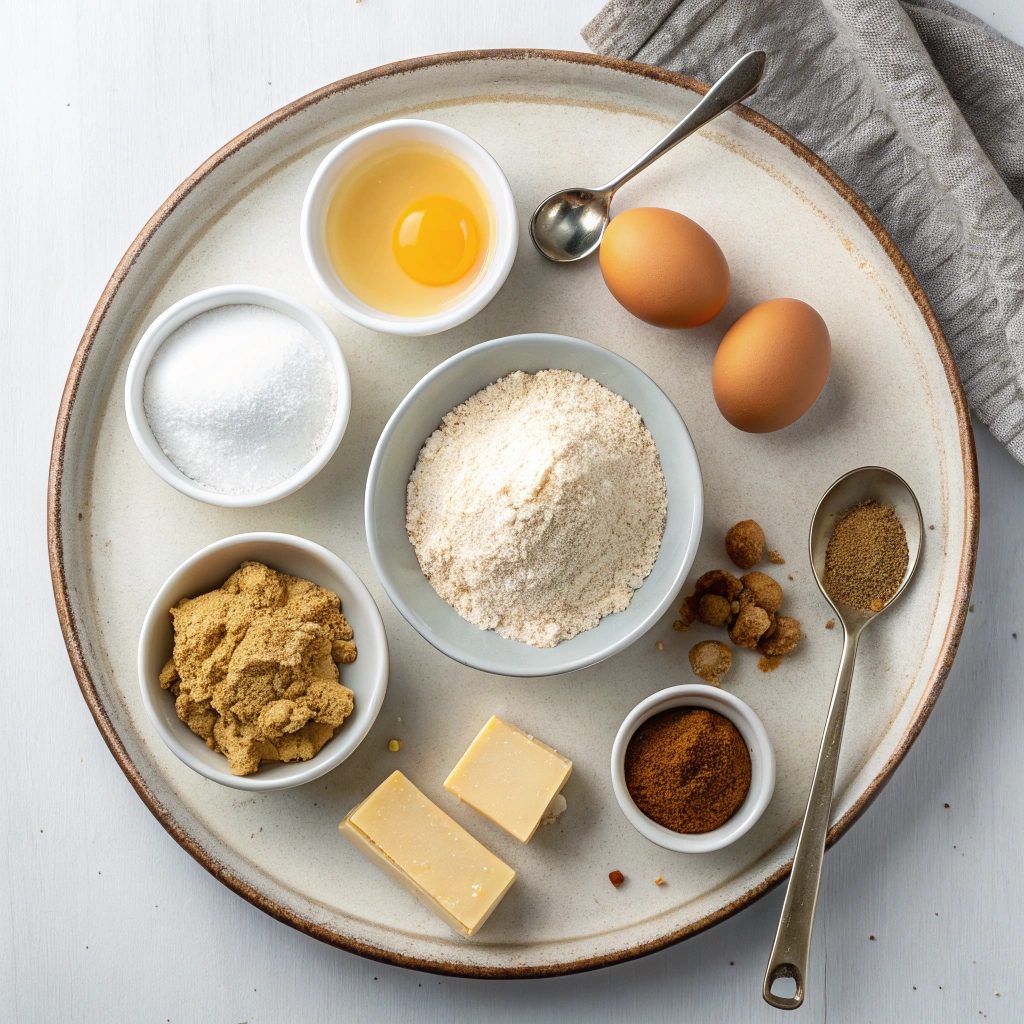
<point x="506" y="242"/>
<point x="180" y="313"/>
<point x="754" y="734"/>
<point x="333" y="752"/>
<point x="431" y="636"/>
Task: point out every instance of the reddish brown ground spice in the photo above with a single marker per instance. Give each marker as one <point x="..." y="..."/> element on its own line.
<point x="688" y="769"/>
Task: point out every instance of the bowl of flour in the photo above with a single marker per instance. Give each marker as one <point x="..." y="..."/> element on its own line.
<point x="533" y="505"/>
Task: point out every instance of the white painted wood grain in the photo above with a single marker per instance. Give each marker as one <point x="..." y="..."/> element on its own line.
<point x="106" y="107"/>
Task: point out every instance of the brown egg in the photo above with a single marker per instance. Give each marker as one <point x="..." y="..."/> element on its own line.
<point x="664" y="268"/>
<point x="771" y="365"/>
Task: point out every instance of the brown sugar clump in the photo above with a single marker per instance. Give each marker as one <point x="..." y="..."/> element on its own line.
<point x="785" y="638"/>
<point x="713" y="610"/>
<point x="710" y="659"/>
<point x="616" y="878"/>
<point x="769" y="663"/>
<point x="750" y="625"/>
<point x="744" y="544"/>
<point x="766" y="593"/>
<point x="718" y="581"/>
<point x="866" y="557"/>
<point x="688" y="769"/>
<point x="254" y="668"/>
<point x="688" y="611"/>
<point x="776" y="559"/>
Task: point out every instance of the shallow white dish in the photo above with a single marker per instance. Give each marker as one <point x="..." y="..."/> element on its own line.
<point x="180" y="313"/>
<point x="366" y="677"/>
<point x="356" y="148"/>
<point x="419" y="415"/>
<point x="762" y="767"/>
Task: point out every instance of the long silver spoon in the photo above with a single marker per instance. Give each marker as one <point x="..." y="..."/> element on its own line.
<point x="792" y="948"/>
<point x="570" y="225"/>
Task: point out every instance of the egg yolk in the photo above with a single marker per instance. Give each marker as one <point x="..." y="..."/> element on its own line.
<point x="436" y="240"/>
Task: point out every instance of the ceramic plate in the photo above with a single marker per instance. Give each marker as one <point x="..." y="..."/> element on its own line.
<point x="788" y="227"/>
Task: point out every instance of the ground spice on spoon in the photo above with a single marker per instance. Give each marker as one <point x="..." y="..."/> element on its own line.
<point x="867" y="556"/>
<point x="688" y="769"/>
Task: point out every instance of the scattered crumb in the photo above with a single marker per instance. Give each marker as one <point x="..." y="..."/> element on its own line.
<point x="931" y="527"/>
<point x="616" y="878"/>
<point x="394" y="746"/>
<point x="831" y="624"/>
<point x="871" y="937"/>
<point x="678" y="625"/>
<point x="945" y="805"/>
<point x="971" y="608"/>
<point x="660" y="646"/>
<point x="767" y="663"/>
<point x="661" y="881"/>
<point x="776" y="558"/>
<point x="789" y="577"/>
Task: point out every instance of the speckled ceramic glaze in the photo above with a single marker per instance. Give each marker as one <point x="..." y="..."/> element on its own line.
<point x="788" y="228"/>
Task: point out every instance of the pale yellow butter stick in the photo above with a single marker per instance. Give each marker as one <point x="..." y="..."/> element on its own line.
<point x="433" y="856"/>
<point x="509" y="777"/>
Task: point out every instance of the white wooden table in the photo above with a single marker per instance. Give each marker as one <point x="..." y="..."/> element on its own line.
<point x="105" y="108"/>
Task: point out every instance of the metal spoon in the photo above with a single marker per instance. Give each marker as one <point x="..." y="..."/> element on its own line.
<point x="793" y="940"/>
<point x="570" y="225"/>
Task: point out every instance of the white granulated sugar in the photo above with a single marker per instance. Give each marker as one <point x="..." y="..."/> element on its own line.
<point x="538" y="506"/>
<point x="240" y="398"/>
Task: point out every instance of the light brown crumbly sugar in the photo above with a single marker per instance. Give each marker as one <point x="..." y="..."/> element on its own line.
<point x="254" y="668"/>
<point x="866" y="557"/>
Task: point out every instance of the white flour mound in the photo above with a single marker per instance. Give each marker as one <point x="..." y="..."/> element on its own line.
<point x="538" y="506"/>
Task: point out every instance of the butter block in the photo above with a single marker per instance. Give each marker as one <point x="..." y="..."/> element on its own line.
<point x="433" y="856"/>
<point x="509" y="777"/>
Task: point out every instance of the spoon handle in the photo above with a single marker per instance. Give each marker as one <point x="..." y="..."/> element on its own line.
<point x="739" y="82"/>
<point x="793" y="940"/>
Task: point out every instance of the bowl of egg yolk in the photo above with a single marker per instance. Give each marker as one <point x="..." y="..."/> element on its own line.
<point x="409" y="227"/>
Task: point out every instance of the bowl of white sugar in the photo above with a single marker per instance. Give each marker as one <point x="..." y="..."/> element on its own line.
<point x="533" y="505"/>
<point x="238" y="395"/>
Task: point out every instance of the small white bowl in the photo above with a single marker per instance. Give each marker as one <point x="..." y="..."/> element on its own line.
<point x="366" y="677"/>
<point x="358" y="147"/>
<point x="180" y="313"/>
<point x="762" y="765"/>
<point x="451" y="383"/>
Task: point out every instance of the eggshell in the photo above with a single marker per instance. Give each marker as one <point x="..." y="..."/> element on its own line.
<point x="664" y="268"/>
<point x="771" y="365"/>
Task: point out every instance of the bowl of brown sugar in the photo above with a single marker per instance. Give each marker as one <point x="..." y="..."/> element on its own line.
<point x="692" y="768"/>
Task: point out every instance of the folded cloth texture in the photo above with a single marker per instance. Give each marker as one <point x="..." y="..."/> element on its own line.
<point x="919" y="107"/>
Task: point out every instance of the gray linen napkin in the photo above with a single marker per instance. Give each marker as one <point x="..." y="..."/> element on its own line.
<point x="919" y="107"/>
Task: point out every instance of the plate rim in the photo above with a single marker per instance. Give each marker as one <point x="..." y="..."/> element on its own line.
<point x="62" y="596"/>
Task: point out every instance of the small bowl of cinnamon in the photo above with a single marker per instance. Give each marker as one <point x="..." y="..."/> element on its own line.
<point x="692" y="768"/>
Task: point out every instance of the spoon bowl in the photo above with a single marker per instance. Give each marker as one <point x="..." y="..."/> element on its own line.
<point x="570" y="225"/>
<point x="791" y="952"/>
<point x="885" y="487"/>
